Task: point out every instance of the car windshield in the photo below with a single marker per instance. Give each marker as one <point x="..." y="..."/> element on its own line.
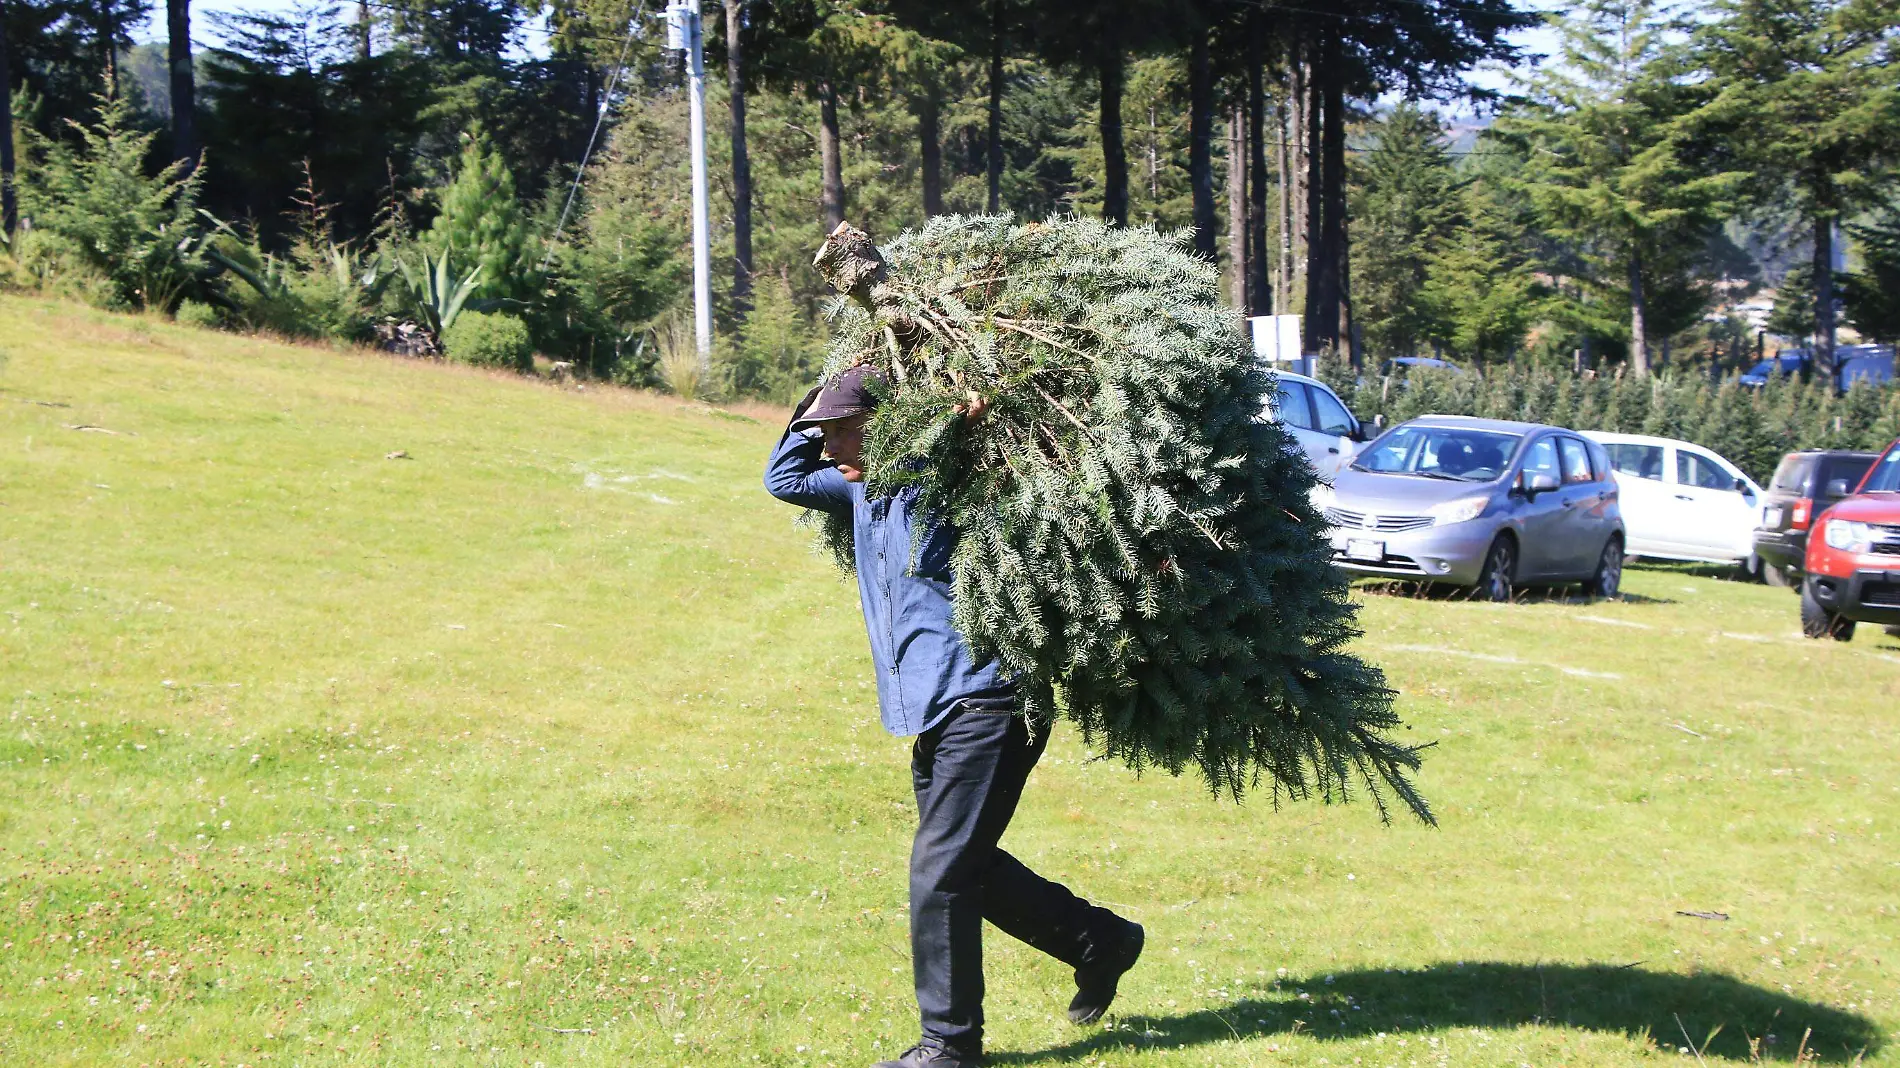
<point x="1441" y="452"/>
<point x="1793" y="472"/>
<point x="1885" y="477"/>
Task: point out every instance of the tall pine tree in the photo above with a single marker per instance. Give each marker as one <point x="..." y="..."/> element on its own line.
<point x="1404" y="205"/>
<point x="1609" y="167"/>
<point x="1810" y="102"/>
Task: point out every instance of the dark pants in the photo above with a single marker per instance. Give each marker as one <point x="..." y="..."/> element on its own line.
<point x="969" y="772"/>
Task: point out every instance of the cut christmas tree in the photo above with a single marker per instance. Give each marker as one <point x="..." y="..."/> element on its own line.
<point x="1137" y="547"/>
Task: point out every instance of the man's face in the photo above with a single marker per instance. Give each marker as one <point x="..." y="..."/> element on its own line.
<point x="844" y="445"/>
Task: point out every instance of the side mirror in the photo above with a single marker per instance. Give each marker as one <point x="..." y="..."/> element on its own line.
<point x="1837" y="488"/>
<point x="1740" y="486"/>
<point x="1540" y="483"/>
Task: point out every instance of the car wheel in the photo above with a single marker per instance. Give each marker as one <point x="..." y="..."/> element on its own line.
<point x="1818" y="622"/>
<point x="1775" y="576"/>
<point x="1500" y="566"/>
<point x="1608" y="581"/>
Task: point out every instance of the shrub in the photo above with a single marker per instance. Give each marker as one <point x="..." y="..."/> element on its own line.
<point x="198" y="314"/>
<point x="56" y="265"/>
<point x="489" y="340"/>
<point x="91" y="193"/>
<point x="13" y="273"/>
<point x="318" y="288"/>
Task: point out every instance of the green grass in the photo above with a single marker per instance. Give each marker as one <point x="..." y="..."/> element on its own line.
<point x="318" y="757"/>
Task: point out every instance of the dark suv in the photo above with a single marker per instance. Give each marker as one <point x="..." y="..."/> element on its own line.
<point x="1805" y="485"/>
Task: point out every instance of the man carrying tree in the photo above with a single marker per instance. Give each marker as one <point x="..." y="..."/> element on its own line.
<point x="973" y="748"/>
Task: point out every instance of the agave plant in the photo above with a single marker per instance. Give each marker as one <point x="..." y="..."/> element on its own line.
<point x="317" y="289"/>
<point x="433" y="290"/>
<point x="258" y="269"/>
<point x="366" y="273"/>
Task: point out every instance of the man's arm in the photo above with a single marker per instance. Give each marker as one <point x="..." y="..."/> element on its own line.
<point x="798" y="474"/>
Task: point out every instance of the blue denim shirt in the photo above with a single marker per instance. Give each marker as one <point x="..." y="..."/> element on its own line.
<point x="924" y="669"/>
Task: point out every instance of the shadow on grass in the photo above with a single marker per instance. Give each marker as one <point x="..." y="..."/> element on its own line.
<point x="1438" y="591"/>
<point x="1695" y="569"/>
<point x="1754" y="1023"/>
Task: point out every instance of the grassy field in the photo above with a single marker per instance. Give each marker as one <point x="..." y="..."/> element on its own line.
<point x="549" y="741"/>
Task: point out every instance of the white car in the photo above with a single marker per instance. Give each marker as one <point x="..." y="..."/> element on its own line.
<point x="1327" y="432"/>
<point x="1682" y="501"/>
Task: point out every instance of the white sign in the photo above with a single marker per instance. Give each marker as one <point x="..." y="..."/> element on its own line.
<point x="1276" y="339"/>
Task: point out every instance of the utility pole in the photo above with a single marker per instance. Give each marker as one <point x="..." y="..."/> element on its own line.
<point x="683" y="34"/>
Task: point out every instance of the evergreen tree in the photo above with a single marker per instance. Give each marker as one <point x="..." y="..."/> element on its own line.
<point x="1155" y="140"/>
<point x="623" y="265"/>
<point x="1810" y="100"/>
<point x="1404" y="206"/>
<point x="1133" y="538"/>
<point x="1480" y="296"/>
<point x="990" y="32"/>
<point x="468" y="30"/>
<point x="282" y="95"/>
<point x="1792" y="315"/>
<point x="1611" y="170"/>
<point x="1873" y="291"/>
<point x="482" y="224"/>
<point x="780" y="351"/>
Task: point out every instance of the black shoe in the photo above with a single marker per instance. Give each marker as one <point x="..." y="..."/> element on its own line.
<point x="1095" y="984"/>
<point x="930" y="1055"/>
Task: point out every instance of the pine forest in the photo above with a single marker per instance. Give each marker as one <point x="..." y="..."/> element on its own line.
<point x="1612" y="211"/>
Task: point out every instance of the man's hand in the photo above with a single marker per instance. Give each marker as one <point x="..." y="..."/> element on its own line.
<point x="974" y="409"/>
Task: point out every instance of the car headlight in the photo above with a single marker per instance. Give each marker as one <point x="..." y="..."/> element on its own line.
<point x="1459" y="511"/>
<point x="1321" y="496"/>
<point x="1847" y="536"/>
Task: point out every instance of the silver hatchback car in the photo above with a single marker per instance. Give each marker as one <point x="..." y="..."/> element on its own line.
<point x="1479" y="502"/>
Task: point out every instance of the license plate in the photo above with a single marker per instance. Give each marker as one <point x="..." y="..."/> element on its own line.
<point x="1771" y="519"/>
<point x="1365" y="549"/>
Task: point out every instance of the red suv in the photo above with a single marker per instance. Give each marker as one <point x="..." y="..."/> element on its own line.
<point x="1853" y="558"/>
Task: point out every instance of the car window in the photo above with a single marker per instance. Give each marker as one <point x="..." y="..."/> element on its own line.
<point x="1469" y="455"/>
<point x="1293" y="407"/>
<point x="1792" y="474"/>
<point x="1329" y="415"/>
<point x="1696" y="470"/>
<point x="1576" y="461"/>
<point x="1885" y="477"/>
<point x="1848" y="469"/>
<point x="1542" y="460"/>
<point x="1639" y="461"/>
